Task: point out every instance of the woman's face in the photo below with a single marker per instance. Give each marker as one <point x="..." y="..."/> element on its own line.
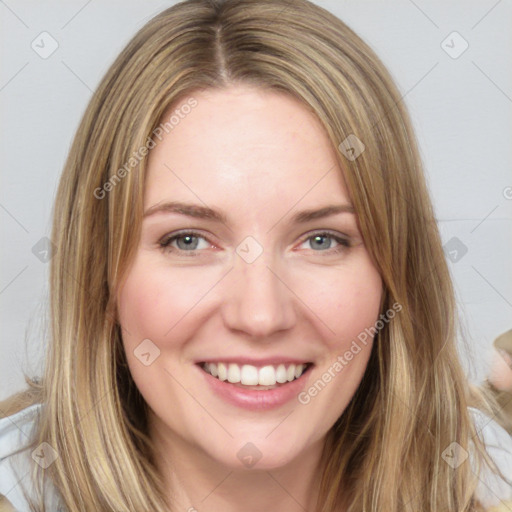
<point x="234" y="268"/>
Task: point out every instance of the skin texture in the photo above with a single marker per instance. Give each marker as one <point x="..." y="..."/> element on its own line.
<point x="260" y="157"/>
<point x="501" y="370"/>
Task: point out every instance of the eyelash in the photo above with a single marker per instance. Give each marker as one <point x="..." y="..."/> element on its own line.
<point x="165" y="243"/>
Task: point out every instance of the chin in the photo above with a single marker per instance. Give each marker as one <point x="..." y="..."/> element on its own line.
<point x="257" y="453"/>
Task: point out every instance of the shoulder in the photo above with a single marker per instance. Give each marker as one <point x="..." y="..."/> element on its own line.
<point x="492" y="490"/>
<point x="17" y="460"/>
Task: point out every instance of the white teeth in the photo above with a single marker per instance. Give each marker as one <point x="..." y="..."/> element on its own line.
<point x="233" y="373"/>
<point x="267" y="376"/>
<point x="281" y="374"/>
<point x="250" y="375"/>
<point x="221" y="370"/>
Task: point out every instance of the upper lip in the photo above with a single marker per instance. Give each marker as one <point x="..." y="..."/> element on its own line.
<point x="273" y="361"/>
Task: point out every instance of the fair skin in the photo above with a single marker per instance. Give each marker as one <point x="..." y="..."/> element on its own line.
<point x="259" y="157"/>
<point x="501" y="370"/>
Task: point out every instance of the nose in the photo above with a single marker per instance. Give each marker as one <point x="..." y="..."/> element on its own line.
<point x="259" y="302"/>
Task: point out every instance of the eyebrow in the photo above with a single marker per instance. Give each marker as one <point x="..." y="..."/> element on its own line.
<point x="204" y="212"/>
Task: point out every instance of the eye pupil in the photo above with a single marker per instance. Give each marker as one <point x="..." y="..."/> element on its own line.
<point x="316" y="238"/>
<point x="189" y="241"/>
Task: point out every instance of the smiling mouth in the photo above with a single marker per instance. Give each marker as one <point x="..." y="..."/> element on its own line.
<point x="251" y="377"/>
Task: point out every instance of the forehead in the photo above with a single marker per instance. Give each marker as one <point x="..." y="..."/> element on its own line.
<point x="244" y="146"/>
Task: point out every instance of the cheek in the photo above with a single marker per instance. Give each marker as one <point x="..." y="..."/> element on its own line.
<point x="153" y="301"/>
<point x="357" y="307"/>
<point x="348" y="303"/>
<point x="151" y="304"/>
<point x="154" y="304"/>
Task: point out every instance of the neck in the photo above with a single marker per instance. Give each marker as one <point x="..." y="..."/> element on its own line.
<point x="198" y="482"/>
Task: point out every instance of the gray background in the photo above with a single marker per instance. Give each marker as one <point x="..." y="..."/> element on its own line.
<point x="461" y="108"/>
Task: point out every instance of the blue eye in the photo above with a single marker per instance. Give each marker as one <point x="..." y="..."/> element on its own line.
<point x="318" y="240"/>
<point x="188" y="243"/>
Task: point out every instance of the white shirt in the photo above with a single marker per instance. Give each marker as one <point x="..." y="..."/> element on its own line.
<point x="15" y="469"/>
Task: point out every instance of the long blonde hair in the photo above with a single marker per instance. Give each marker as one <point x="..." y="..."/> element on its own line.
<point x="385" y="452"/>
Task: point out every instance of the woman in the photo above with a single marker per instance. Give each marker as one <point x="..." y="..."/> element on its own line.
<point x="209" y="349"/>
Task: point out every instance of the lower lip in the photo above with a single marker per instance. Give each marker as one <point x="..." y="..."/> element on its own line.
<point x="253" y="399"/>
